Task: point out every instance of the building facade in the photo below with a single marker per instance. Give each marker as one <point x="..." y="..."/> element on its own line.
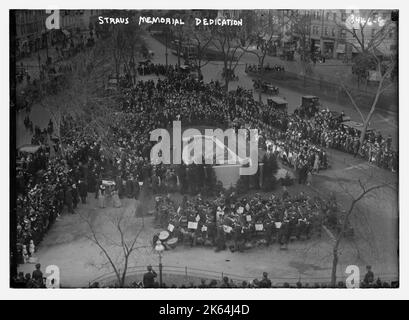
<point x="329" y="31"/>
<point x="30" y="31"/>
<point x="32" y="34"/>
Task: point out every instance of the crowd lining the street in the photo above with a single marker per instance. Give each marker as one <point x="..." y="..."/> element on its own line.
<point x="46" y="184"/>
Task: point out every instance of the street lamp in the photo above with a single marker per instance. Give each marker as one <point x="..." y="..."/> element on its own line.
<point x="159" y="248"/>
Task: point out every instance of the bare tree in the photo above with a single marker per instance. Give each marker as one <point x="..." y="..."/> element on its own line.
<point x="344" y="224"/>
<point x="201" y="42"/>
<point x="299" y="25"/>
<point x="78" y="96"/>
<point x="385" y="83"/>
<point x="263" y="34"/>
<point x="119" y="244"/>
<point x="366" y="43"/>
<point x="366" y="33"/>
<point x="124" y="43"/>
<point x="233" y="44"/>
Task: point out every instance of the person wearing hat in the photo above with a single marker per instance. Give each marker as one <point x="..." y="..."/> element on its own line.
<point x="265" y="282"/>
<point x="37" y="276"/>
<point x="101" y="196"/>
<point x="369" y="276"/>
<point x="69" y="200"/>
<point x="149" y="278"/>
<point x="82" y="188"/>
<point x="75" y="199"/>
<point x="129" y="187"/>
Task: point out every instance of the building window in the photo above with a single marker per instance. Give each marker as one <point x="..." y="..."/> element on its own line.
<point x="344" y="17"/>
<point x="343" y="34"/>
<point x="333" y="32"/>
<point x="326" y="31"/>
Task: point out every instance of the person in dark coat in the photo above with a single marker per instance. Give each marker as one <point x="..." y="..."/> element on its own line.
<point x="83" y="190"/>
<point x="369" y="276"/>
<point x="220" y="240"/>
<point x="75" y="198"/>
<point x="265" y="282"/>
<point x="135" y="188"/>
<point x="38" y="276"/>
<point x="149" y="278"/>
<point x="68" y="200"/>
<point x="129" y="187"/>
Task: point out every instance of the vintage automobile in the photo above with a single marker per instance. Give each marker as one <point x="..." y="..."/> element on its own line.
<point x="309" y="106"/>
<point x="277" y="103"/>
<point x="265" y="87"/>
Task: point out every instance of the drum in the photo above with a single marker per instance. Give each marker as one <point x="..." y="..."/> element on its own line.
<point x="163" y="235"/>
<point x="172" y="243"/>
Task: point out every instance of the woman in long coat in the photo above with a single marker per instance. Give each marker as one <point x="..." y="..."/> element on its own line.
<point x="115" y="198"/>
<point x="101" y="196"/>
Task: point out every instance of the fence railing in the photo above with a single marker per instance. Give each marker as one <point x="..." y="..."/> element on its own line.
<point x="188" y="273"/>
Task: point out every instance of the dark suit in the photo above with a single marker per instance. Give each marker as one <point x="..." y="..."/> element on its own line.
<point x="149" y="279"/>
<point x="83" y="190"/>
<point x="38" y="277"/>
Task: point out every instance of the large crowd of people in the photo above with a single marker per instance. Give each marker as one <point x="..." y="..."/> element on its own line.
<point x="82" y="159"/>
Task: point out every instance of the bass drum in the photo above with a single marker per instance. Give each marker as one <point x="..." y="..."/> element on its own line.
<point x="163" y="235"/>
<point x="172" y="243"/>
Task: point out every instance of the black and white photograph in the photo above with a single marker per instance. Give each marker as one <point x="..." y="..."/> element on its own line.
<point x="204" y="149"/>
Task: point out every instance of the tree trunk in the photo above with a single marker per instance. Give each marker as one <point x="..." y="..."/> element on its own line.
<point x="58" y="131"/>
<point x="334" y="266"/>
<point x="122" y="284"/>
<point x="261" y="74"/>
<point x="179" y="47"/>
<point x="363" y="132"/>
<point x="226" y="78"/>
<point x="259" y="78"/>
<point x="199" y="68"/>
